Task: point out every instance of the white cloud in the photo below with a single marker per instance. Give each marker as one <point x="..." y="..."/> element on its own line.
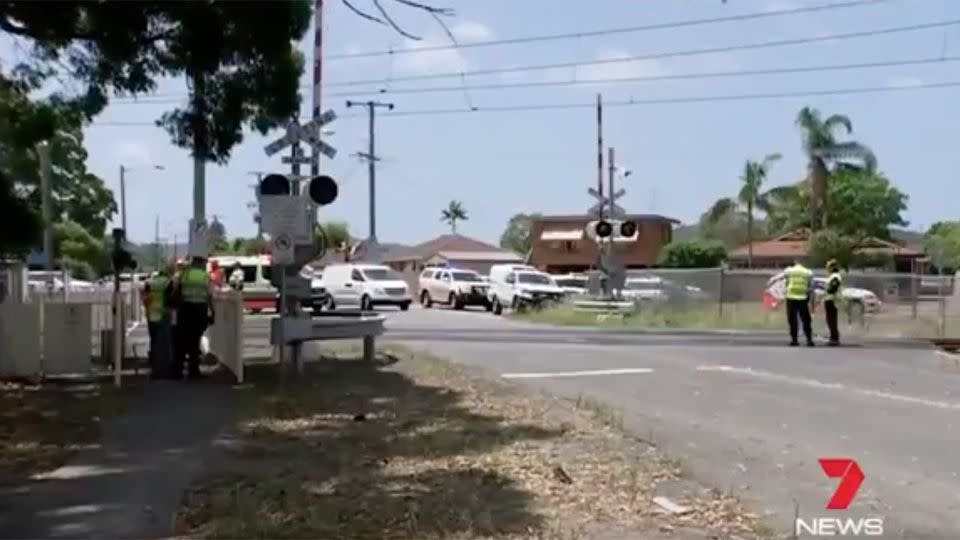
<point x="619" y="70"/>
<point x="443" y="60"/>
<point x="133" y="153"/>
<point x="904" y="82"/>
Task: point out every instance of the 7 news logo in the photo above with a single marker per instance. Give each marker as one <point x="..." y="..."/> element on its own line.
<point x="851" y="477"/>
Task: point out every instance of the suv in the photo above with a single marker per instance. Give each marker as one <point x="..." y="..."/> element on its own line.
<point x="521" y="286"/>
<point x="453" y="287"/>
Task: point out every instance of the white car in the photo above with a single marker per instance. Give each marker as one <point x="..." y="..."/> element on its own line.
<point x="366" y="286"/>
<point x="454" y="287"/>
<point x="855" y="298"/>
<point x="644" y="289"/>
<point x="520" y="286"/>
<point x="572" y="284"/>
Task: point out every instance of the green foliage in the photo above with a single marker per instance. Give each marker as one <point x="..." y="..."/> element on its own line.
<point x="80" y="251"/>
<point x="827" y="244"/>
<point x="730" y="228"/>
<point x="453" y="213"/>
<point x="942" y="245"/>
<point x="516" y="236"/>
<point x="336" y="233"/>
<point x="19" y="224"/>
<point x="240" y="57"/>
<point x="693" y="254"/>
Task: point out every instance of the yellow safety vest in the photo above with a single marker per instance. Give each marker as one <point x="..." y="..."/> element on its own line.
<point x="798" y="282"/>
<point x="833" y="297"/>
<point x="194" y="286"/>
<point x="158" y="304"/>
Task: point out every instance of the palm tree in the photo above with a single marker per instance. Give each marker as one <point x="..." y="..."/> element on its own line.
<point x="824" y="148"/>
<point x="749" y="198"/>
<point x="453" y="213"/>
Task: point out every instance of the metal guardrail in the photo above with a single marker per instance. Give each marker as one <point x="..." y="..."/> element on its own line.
<point x="604" y="306"/>
<point x="328" y="326"/>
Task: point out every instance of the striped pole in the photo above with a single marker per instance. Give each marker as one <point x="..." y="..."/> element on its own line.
<point x="317" y="75"/>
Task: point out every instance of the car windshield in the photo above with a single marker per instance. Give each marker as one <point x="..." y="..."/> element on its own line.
<point x="642" y="285"/>
<point x="380" y="274"/>
<point x="572" y="282"/>
<point x="466" y="276"/>
<point x="536" y="279"/>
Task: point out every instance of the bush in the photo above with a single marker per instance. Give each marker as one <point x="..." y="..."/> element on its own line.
<point x="693" y="254"/>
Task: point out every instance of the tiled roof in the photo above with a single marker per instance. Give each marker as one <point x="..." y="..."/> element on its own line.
<point x="494" y="255"/>
<point x="796" y="244"/>
<point x="585" y="218"/>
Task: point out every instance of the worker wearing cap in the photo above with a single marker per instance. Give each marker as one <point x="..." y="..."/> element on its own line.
<point x="157" y="295"/>
<point x="799" y="293"/>
<point x="194" y="301"/>
<point x="831" y="300"/>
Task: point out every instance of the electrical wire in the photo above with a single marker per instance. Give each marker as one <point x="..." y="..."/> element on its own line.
<point x="610" y="31"/>
<point x="635" y="102"/>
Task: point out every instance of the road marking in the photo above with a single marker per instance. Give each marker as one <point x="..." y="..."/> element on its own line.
<point x="813" y="383"/>
<point x="589" y="373"/>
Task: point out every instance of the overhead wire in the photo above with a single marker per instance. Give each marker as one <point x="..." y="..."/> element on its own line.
<point x="637" y="102"/>
<point x="611" y="31"/>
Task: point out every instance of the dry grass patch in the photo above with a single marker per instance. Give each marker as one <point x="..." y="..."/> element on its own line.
<point x="42" y="425"/>
<point x="421" y="449"/>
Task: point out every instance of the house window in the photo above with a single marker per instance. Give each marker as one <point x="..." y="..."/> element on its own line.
<point x="569" y="245"/>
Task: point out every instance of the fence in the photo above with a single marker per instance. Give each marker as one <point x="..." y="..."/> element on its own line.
<point x="875" y="303"/>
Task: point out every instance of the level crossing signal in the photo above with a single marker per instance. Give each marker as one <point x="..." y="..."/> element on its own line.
<point x="322" y="190"/>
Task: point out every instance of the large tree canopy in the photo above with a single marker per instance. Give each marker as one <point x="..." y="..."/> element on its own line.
<point x="516" y="236"/>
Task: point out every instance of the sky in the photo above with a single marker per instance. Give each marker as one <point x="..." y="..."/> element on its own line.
<point x="683" y="155"/>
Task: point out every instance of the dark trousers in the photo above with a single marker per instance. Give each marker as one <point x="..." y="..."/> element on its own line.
<point x="830" y="309"/>
<point x="191" y="324"/>
<point x="799" y="309"/>
<point x="161" y="345"/>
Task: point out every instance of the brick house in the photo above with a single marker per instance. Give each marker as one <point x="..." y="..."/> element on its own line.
<point x="450" y="249"/>
<point x="560" y="244"/>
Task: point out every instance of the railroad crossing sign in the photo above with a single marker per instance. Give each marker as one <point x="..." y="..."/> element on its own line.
<point x="283" y="249"/>
<point x="308" y="133"/>
<point x="614" y="210"/>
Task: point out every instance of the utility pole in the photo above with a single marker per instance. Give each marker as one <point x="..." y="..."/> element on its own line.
<point x="123" y="197"/>
<point x="156" y="241"/>
<point x="317" y="77"/>
<point x="600" y="149"/>
<point x="371" y="160"/>
<point x="43" y="149"/>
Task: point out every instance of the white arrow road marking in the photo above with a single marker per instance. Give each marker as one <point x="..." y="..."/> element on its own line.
<point x="589" y="373"/>
<point x="813" y="383"/>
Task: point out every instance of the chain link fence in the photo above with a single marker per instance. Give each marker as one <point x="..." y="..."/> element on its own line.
<point x="874" y="304"/>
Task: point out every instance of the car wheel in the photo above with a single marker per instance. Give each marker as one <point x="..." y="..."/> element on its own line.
<point x="517" y="305"/>
<point x="455" y="302"/>
<point x="488" y="306"/>
<point x="331" y="305"/>
<point x="425" y="300"/>
<point x="497" y="306"/>
<point x="405" y="306"/>
<point x="365" y="303"/>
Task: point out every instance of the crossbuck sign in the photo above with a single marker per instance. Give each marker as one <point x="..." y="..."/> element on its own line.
<point x="308" y="133"/>
<point x="615" y="211"/>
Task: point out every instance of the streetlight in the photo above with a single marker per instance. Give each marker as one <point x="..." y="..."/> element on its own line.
<point x="123" y="191"/>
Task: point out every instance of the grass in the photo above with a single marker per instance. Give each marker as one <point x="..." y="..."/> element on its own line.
<point x="415" y="447"/>
<point x="42" y="425"/>
<point x="741" y="316"/>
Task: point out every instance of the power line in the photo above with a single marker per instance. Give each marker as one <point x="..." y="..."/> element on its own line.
<point x="652" y="56"/>
<point x="661" y="55"/>
<point x="640" y="78"/>
<point x="610" y="31"/>
<point x="640" y="102"/>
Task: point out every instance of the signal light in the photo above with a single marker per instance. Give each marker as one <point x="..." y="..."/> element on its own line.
<point x="275" y="184"/>
<point x="322" y="190"/>
<point x="603" y="229"/>
<point x="628" y="229"/>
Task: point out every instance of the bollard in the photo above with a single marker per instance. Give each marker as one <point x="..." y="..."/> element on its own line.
<point x="369" y="348"/>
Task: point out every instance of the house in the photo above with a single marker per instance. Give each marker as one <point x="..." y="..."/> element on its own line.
<point x="450" y="249"/>
<point x="781" y="251"/>
<point x="559" y="244"/>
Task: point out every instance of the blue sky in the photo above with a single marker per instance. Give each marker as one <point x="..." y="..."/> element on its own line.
<point x="683" y="156"/>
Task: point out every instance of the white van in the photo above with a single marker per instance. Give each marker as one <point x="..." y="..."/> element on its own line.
<point x="366" y="286"/>
<point x="518" y="286"/>
<point x="258" y="293"/>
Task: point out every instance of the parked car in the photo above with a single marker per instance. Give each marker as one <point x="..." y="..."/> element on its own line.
<point x="366" y="286"/>
<point x="453" y="287"/>
<point x="856" y="300"/>
<point x="520" y="286"/>
<point x="319" y="297"/>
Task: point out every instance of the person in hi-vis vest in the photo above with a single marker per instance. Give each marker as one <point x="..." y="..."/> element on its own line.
<point x="798" y="294"/>
<point x="194" y="303"/>
<point x="831" y="301"/>
<point x="157" y="294"/>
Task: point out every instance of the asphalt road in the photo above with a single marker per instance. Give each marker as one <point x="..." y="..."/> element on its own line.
<point x="744" y="414"/>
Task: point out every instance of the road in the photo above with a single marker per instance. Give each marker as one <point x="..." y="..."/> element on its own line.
<point x="747" y="415"/>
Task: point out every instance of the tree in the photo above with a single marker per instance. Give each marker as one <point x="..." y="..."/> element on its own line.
<point x="824" y="150"/>
<point x="85" y="255"/>
<point x="19" y="224"/>
<point x="749" y="197"/>
<point x="693" y="254"/>
<point x="453" y="213"/>
<point x="942" y="245"/>
<point x="336" y="234"/>
<point x="516" y="237"/>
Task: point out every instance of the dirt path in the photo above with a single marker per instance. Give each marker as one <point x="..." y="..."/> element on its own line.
<point x="131" y="483"/>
